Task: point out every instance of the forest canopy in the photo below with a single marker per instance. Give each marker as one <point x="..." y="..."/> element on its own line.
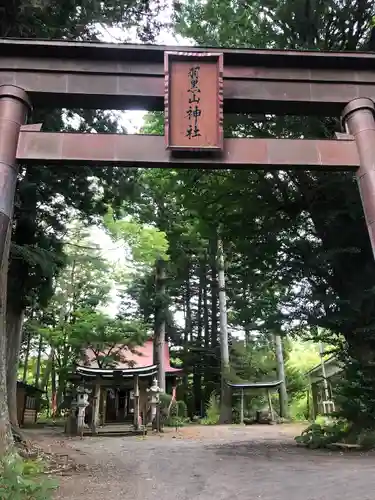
<point x="298" y="262"/>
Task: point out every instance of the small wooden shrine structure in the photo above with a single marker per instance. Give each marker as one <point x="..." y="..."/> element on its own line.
<point x="28" y="403"/>
<point x="267" y="386"/>
<point x="121" y="395"/>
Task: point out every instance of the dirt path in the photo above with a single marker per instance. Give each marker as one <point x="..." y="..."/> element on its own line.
<point x="221" y="463"/>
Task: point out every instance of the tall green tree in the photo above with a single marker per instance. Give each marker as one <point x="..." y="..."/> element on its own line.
<point x="289" y="260"/>
<point x="84" y="284"/>
<point x="313" y="221"/>
<point x="46" y="196"/>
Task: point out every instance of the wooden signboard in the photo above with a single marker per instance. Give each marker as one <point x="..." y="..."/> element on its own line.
<point x="193" y="101"/>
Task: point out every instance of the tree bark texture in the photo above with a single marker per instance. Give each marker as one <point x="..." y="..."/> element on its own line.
<point x="226" y="403"/>
<point x="159" y="336"/>
<point x="39" y="361"/>
<point x="283" y="395"/>
<point x="197" y="376"/>
<point x="27" y="354"/>
<point x="14" y="322"/>
<point x="6" y="437"/>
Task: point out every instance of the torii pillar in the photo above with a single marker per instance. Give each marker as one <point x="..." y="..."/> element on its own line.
<point x="359" y="120"/>
<point x="14" y="108"/>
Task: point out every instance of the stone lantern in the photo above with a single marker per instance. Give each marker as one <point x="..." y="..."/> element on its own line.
<point x="82" y="403"/>
<point x="154" y="391"/>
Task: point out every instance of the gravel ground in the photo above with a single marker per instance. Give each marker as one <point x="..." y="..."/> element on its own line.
<point x="221" y="463"/>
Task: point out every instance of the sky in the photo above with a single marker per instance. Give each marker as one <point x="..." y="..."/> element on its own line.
<point x="132" y="121"/>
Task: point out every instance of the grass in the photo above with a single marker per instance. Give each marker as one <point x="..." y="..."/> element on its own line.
<point x="24" y="479"/>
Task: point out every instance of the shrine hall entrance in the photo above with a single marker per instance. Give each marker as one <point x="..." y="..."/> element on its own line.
<point x="119" y="405"/>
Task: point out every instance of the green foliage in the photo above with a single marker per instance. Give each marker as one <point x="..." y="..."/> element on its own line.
<point x="326" y="431"/>
<point x="23" y="480"/>
<point x="212" y="411"/>
<point x="256" y="362"/>
<point x="177" y="416"/>
<point x="295" y="244"/>
<point x="354" y="394"/>
<point x="298" y="408"/>
<point x="181" y="409"/>
<point x="164" y="400"/>
<point x="106" y="337"/>
<point x="146" y="243"/>
<point x="176" y="421"/>
<point x="321" y="436"/>
<point x="176" y="409"/>
<point x="366" y="439"/>
<point x="48" y="198"/>
<point x="153" y="124"/>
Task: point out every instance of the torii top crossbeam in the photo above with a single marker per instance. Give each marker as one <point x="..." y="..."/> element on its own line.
<point x="194" y="87"/>
<point x="113" y="76"/>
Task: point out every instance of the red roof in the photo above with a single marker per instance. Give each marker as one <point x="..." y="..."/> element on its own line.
<point x="142" y="357"/>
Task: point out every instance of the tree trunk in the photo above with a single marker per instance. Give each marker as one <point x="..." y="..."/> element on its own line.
<point x="14" y="322"/>
<point x="214" y="307"/>
<point x="47" y="372"/>
<point x="62" y="375"/>
<point x="159" y="335"/>
<point x="53" y="387"/>
<point x="188" y="326"/>
<point x="245" y="305"/>
<point x="207" y="375"/>
<point x="206" y="319"/>
<point x="283" y="395"/>
<point x="61" y="389"/>
<point x="38" y="361"/>
<point x="27" y="354"/>
<point x="197" y="376"/>
<point x="225" y="402"/>
<point x="6" y="438"/>
<point x="214" y="338"/>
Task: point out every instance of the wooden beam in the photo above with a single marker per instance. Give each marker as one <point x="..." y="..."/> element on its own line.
<point x="149" y="151"/>
<point x="112" y="76"/>
<point x="136" y="402"/>
<point x="95" y="407"/>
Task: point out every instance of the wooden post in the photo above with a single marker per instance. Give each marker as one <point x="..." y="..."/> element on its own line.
<point x="309" y="413"/>
<point x="242" y="407"/>
<point x="95" y="408"/>
<point x="324" y="375"/>
<point x="116" y="404"/>
<point x="136" y="402"/>
<point x="104" y="410"/>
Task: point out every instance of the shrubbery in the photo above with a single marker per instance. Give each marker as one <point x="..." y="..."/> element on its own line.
<point x="212" y="411"/>
<point x="177" y="416"/>
<point x="23" y="480"/>
<point x="323" y="435"/>
<point x="324" y="432"/>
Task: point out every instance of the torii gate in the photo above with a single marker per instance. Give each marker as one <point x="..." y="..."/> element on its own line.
<point x="192" y="86"/>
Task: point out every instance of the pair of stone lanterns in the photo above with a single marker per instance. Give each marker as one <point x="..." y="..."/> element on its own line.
<point x="81" y="402"/>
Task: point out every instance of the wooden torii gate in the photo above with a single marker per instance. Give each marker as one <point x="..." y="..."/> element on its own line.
<point x="194" y="87"/>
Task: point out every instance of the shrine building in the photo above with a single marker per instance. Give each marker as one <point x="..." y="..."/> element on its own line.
<point x="120" y="394"/>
